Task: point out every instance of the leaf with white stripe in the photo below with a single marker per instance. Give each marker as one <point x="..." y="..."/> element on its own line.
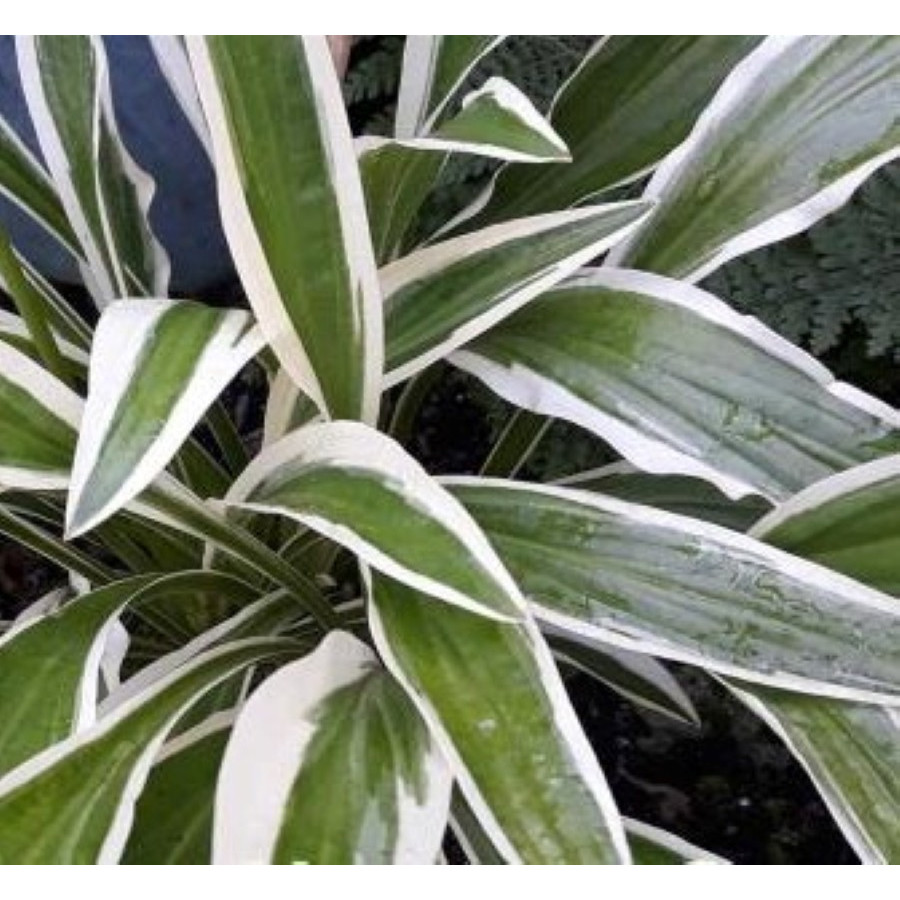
<point x="49" y="668"/>
<point x="496" y="122"/>
<point x="685" y="590"/>
<point x="59" y="655"/>
<point x="849" y="522"/>
<point x="851" y="750"/>
<point x="156" y="367"/>
<point x="39" y="419"/>
<point x="293" y="211"/>
<point x="105" y="195"/>
<point x="679" y="383"/>
<point x="443" y="296"/>
<point x="633" y="99"/>
<point x="795" y="128"/>
<point x="167" y="830"/>
<point x="172" y="59"/>
<point x="434" y="68"/>
<point x="24" y="181"/>
<point x="680" y="494"/>
<point x="74" y="803"/>
<point x="361" y="489"/>
<point x="331" y="724"/>
<point x="493" y="699"/>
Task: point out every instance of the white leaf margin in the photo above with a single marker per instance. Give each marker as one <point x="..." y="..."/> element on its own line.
<point x="532" y="390"/>
<point x="565" y="721"/>
<point x="630" y="639"/>
<point x="730" y="96"/>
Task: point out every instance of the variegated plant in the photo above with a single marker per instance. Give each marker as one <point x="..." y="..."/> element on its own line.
<point x="320" y="652"/>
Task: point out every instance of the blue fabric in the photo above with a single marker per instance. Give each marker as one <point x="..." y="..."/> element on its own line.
<point x="184" y="214"/>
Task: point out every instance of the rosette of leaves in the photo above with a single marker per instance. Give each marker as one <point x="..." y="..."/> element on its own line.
<point x="317" y="651"/>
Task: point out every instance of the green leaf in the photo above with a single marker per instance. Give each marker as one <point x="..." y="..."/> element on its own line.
<point x="491" y="696"/>
<point x="635" y="676"/>
<point x="680" y="494"/>
<point x="443" y="296"/>
<point x="105" y="195"/>
<point x="500" y="119"/>
<point x="333" y="724"/>
<point x="849" y="522"/>
<point x="359" y="488"/>
<point x="39" y="419"/>
<point x="680" y="383"/>
<point x="852" y="754"/>
<point x="850" y="750"/>
<point x="49" y="668"/>
<point x="434" y="68"/>
<point x="50" y="665"/>
<point x="293" y="211"/>
<point x="792" y="132"/>
<point x="24" y="181"/>
<point x="156" y="367"/>
<point x="632" y="100"/>
<point x="497" y="122"/>
<point x="74" y="802"/>
<point x="680" y="589"/>
<point x="173" y="816"/>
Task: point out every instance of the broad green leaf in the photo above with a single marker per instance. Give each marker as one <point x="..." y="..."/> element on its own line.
<point x="635" y="676"/>
<point x="105" y="195"/>
<point x="679" y="383"/>
<point x="172" y="59"/>
<point x="653" y="846"/>
<point x="443" y="296"/>
<point x="359" y="488"/>
<point x="632" y="100"/>
<point x="74" y="802"/>
<point x="674" y="493"/>
<point x="173" y="816"/>
<point x="434" y="68"/>
<point x="852" y="754"/>
<point x="686" y="590"/>
<point x="851" y="750"/>
<point x="849" y="522"/>
<point x="294" y="213"/>
<point x="39" y="419"/>
<point x="491" y="696"/>
<point x="49" y="667"/>
<point x="156" y="367"/>
<point x="498" y="122"/>
<point x="24" y="181"/>
<point x="333" y="724"/>
<point x="792" y="132"/>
